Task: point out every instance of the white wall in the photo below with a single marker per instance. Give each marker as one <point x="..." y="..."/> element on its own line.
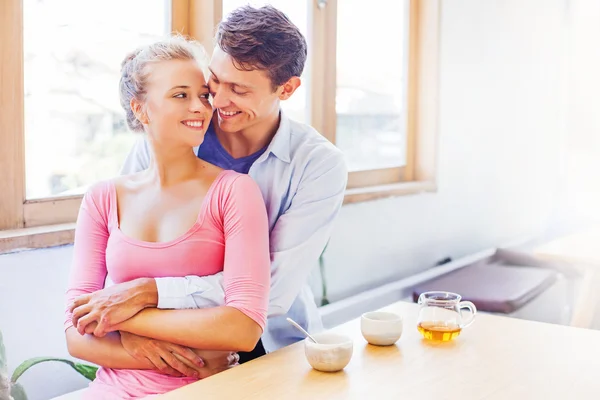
<point x="502" y="122"/>
<point x="581" y="197"/>
<point x="506" y="115"/>
<point x="32" y="286"/>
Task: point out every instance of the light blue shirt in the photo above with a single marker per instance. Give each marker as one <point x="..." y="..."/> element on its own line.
<point x="302" y="177"/>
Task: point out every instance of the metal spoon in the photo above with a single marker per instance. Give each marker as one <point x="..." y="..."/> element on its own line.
<point x="291" y="321"/>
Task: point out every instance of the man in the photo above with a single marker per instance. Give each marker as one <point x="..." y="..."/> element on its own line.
<point x="257" y="63"/>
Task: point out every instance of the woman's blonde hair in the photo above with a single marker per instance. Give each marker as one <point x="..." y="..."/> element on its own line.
<point x="134" y="71"/>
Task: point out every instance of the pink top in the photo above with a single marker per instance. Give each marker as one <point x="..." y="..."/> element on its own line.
<point x="230" y="235"/>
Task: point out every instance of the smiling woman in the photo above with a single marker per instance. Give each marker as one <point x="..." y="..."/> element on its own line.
<point x="169" y="69"/>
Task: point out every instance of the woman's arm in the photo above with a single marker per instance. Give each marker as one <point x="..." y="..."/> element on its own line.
<point x="216" y="328"/>
<point x="88" y="274"/>
<point x="239" y="323"/>
<point x="106" y="351"/>
<point x="109" y="352"/>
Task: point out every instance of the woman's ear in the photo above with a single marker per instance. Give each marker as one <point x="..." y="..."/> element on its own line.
<point x="139" y="111"/>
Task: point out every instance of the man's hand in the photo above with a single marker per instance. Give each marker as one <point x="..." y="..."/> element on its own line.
<point x="168" y="358"/>
<point x="112" y="305"/>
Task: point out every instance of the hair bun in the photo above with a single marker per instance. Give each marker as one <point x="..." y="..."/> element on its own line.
<point x="130" y="57"/>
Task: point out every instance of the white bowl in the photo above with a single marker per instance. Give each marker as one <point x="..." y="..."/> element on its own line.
<point x="381" y="328"/>
<point x="332" y="353"/>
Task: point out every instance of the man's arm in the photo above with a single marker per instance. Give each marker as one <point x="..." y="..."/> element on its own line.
<point x="238" y="324"/>
<point x="297" y="240"/>
<point x="117" y="303"/>
<point x="302" y="232"/>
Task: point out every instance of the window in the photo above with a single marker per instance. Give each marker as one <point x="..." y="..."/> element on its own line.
<point x="371" y="102"/>
<point x="75" y="130"/>
<point x="363" y="83"/>
<point x="369" y="86"/>
<point x="63" y="127"/>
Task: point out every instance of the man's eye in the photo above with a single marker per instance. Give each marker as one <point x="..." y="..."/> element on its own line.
<point x="239" y="93"/>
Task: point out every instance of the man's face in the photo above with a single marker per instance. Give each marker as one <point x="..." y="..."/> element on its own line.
<point x="242" y="99"/>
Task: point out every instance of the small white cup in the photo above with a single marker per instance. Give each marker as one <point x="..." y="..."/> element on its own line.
<point x="331" y="354"/>
<point x="381" y="328"/>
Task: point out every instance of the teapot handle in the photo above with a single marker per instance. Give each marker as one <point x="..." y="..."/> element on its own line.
<point x="471" y="307"/>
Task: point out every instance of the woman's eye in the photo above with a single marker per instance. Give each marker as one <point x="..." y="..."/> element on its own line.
<point x="205" y="96"/>
<point x="180" y="95"/>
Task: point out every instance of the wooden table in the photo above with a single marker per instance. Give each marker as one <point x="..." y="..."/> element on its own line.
<point x="581" y="251"/>
<point x="495" y="358"/>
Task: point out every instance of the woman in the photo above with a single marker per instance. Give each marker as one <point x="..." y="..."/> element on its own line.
<point x="180" y="217"/>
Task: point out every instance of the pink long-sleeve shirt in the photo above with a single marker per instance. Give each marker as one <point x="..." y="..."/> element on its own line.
<point x="230" y="235"/>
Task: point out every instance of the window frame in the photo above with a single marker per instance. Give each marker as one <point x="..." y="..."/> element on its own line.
<point x="24" y="219"/>
<point x="16" y="211"/>
<point x="418" y="173"/>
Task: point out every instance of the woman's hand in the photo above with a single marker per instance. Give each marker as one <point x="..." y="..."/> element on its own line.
<point x="168" y="358"/>
<point x="175" y="360"/>
<point x="216" y="361"/>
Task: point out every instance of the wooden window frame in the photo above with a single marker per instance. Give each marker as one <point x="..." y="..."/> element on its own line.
<point x="17" y="210"/>
<point x="50" y="221"/>
<point x="419" y="172"/>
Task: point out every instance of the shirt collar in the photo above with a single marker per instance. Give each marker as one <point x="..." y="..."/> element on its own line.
<point x="280" y="144"/>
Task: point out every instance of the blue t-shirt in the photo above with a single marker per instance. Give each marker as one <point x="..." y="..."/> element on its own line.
<point x="213" y="152"/>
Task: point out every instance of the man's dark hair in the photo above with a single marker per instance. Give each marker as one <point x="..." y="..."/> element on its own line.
<point x="263" y="39"/>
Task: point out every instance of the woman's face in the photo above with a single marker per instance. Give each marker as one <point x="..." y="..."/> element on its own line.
<point x="177" y="106"/>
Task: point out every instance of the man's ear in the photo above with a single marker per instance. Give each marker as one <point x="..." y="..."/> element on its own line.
<point x="288" y="88"/>
<point x="139" y="111"/>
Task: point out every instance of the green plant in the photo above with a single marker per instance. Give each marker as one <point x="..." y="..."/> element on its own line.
<point x="12" y="390"/>
<point x="8" y="390"/>
<point x="88" y="371"/>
